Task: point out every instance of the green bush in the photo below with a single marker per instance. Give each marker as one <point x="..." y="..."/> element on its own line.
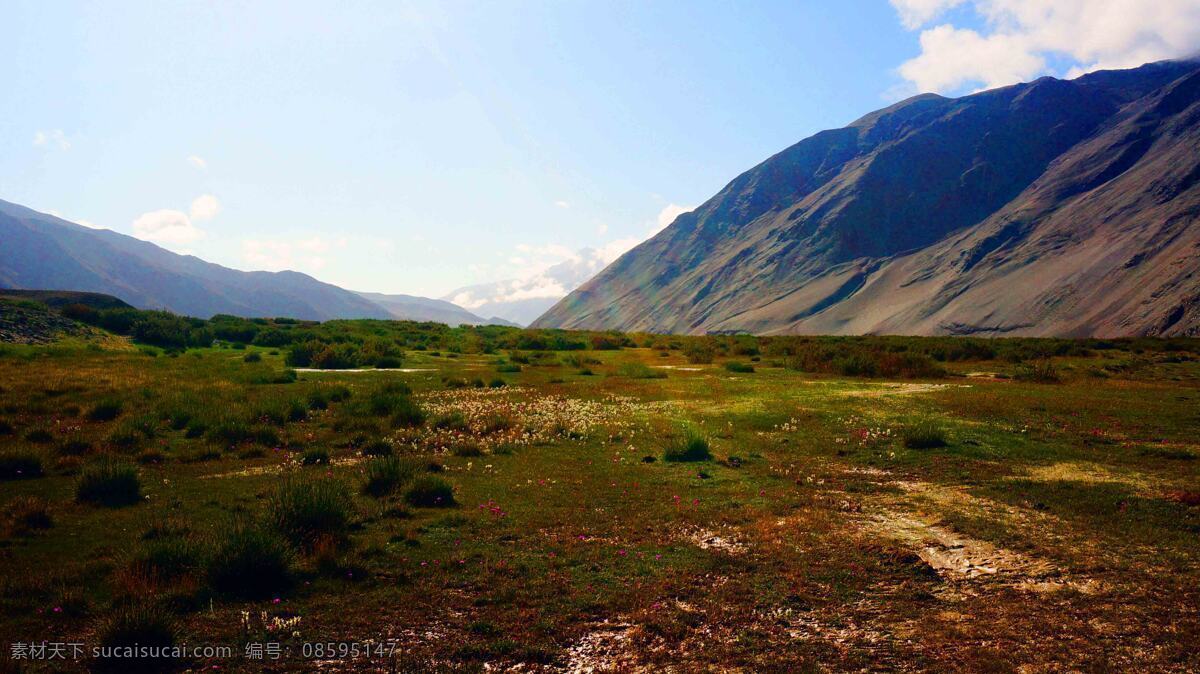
<point x="108" y="482"/>
<point x="692" y="447"/>
<point x="252" y="357"/>
<point x="453" y="421"/>
<point x="1039" y="372"/>
<point x="428" y="491"/>
<point x="379" y="447"/>
<point x="924" y="435"/>
<point x="25" y="514"/>
<point x="408" y="414"/>
<point x="639" y="371"/>
<point x="315" y="457"/>
<point x="106" y="410"/>
<point x="251" y="562"/>
<point x="169" y="557"/>
<point x="18" y="464"/>
<point x="386" y="474"/>
<point x="734" y="366"/>
<point x="305" y="508"/>
<point x="138" y="625"/>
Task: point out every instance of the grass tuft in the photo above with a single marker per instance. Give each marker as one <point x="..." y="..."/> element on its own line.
<point x="692" y="447"/>
<point x="306" y="507"/>
<point x="429" y="491"/>
<point x="109" y="482"/>
<point x="924" y="434"/>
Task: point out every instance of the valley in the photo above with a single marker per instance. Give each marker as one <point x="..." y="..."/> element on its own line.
<point x="618" y="503"/>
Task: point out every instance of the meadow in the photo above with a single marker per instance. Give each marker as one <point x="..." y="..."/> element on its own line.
<point x="481" y="499"/>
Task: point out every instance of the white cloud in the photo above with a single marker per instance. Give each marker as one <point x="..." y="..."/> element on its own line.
<point x="562" y="204"/>
<point x="277" y="254"/>
<point x="916" y="13"/>
<point x="168" y="227"/>
<point x="205" y="207"/>
<point x="52" y="137"/>
<point x="198" y="162"/>
<point x="668" y="214"/>
<point x="86" y="223"/>
<point x="1020" y="37"/>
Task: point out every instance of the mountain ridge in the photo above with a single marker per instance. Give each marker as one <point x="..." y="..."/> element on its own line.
<point x="44" y="252"/>
<point x="813" y="238"/>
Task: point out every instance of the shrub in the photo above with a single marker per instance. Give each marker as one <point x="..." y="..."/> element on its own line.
<point x="315" y="457"/>
<point x="734" y="366"/>
<point x="74" y="447"/>
<point x="140" y="625"/>
<point x="639" y="371"/>
<point x="453" y="421"/>
<point x="428" y="491"/>
<point x="252" y="357"/>
<point x="408" y="414"/>
<point x="378" y="447"/>
<point x="1040" y="372"/>
<point x="19" y="464"/>
<point x="169" y="557"/>
<point x="467" y="450"/>
<point x="25" y="514"/>
<point x="5" y="428"/>
<point x="924" y="435"/>
<point x="508" y="367"/>
<point x="496" y="423"/>
<point x="386" y="474"/>
<point x="106" y="410"/>
<point x="305" y="508"/>
<point x="497" y="383"/>
<point x="108" y="482"/>
<point x="699" y="353"/>
<point x="39" y="436"/>
<point x="856" y="365"/>
<point x="388" y="398"/>
<point x="251" y="562"/>
<point x="692" y="447"/>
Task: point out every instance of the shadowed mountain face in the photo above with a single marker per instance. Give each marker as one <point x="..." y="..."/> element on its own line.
<point x="1048" y="208"/>
<point x="45" y="252"/>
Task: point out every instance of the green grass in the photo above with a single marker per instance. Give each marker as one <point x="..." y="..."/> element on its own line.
<point x="540" y="516"/>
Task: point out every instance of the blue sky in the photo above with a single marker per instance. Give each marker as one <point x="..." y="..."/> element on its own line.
<point x="419" y="147"/>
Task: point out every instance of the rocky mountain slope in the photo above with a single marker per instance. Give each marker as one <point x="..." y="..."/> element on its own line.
<point x="1047" y="208"/>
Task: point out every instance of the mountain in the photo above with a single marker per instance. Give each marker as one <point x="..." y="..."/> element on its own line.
<point x="413" y="308"/>
<point x="1046" y="208"/>
<point x="522" y="300"/>
<point x="45" y="252"/>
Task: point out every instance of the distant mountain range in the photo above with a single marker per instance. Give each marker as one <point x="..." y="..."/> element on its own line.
<point x="40" y="251"/>
<point x="1047" y="208"/>
<point x="522" y="300"/>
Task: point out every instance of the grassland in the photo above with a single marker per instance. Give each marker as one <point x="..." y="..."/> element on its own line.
<point x="513" y="509"/>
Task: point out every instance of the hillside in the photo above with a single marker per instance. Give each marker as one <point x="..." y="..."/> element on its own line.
<point x="45" y="252"/>
<point x="414" y="308"/>
<point x="1047" y="208"/>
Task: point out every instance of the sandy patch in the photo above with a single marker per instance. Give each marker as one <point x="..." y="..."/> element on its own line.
<point x="956" y="556"/>
<point x="358" y="371"/>
<point x="899" y="389"/>
<point x="607" y="648"/>
<point x="723" y="541"/>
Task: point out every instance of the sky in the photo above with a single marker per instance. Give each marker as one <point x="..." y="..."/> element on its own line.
<point x="417" y="147"/>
